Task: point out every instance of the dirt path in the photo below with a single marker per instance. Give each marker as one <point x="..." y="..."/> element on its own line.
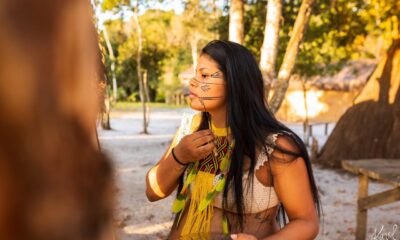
<point x="133" y="154"/>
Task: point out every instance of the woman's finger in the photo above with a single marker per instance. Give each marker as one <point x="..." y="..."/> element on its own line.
<point x="201" y="133"/>
<point x="203" y="140"/>
<point x="206" y="148"/>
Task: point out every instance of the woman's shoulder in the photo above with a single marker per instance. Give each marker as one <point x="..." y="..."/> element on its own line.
<point x="282" y="145"/>
<point x="277" y="145"/>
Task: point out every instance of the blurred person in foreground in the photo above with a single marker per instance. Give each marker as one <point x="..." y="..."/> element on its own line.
<point x="233" y="164"/>
<point x="55" y="184"/>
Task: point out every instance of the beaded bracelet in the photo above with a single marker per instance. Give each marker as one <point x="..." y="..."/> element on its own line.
<point x="177" y="160"/>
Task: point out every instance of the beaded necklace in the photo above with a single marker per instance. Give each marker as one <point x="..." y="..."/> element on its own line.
<point x="205" y="179"/>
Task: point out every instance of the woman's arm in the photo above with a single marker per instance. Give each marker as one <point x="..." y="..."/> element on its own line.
<point x="293" y="189"/>
<point x="162" y="179"/>
<point x="292" y="185"/>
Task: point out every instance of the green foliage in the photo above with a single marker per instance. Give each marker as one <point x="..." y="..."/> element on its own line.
<point x="137" y="106"/>
<point x="254" y="25"/>
<point x="338" y="31"/>
<point x="156" y="52"/>
<point x="166" y="50"/>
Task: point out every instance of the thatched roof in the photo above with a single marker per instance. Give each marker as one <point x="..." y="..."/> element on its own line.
<point x="352" y="76"/>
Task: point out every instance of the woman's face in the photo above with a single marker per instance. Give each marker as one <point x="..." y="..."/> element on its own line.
<point x="208" y="87"/>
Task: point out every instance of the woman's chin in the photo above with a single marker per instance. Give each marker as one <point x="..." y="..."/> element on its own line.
<point x="196" y="105"/>
<point x="196" y="108"/>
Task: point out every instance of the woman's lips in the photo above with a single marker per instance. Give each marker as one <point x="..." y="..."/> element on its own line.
<point x="193" y="95"/>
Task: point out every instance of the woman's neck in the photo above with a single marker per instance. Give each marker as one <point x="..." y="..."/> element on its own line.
<point x="218" y="118"/>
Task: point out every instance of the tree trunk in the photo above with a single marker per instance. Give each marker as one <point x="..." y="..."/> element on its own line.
<point x="193" y="45"/>
<point x="306" y="129"/>
<point x="286" y="68"/>
<point x="216" y="16"/>
<point x="269" y="49"/>
<point x="139" y="70"/>
<point x="147" y="97"/>
<point x="112" y="58"/>
<point x="236" y="23"/>
<point x="105" y="113"/>
<point x="103" y="79"/>
<point x="371" y="127"/>
<point x="105" y="107"/>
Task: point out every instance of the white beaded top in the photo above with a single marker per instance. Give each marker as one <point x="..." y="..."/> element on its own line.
<point x="262" y="197"/>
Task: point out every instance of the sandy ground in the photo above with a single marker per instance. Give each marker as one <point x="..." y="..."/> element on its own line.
<point x="137" y="218"/>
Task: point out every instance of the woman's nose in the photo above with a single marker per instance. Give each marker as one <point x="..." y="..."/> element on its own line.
<point x="193" y="82"/>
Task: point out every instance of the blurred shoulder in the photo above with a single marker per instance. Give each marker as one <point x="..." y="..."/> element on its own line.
<point x="284" y="147"/>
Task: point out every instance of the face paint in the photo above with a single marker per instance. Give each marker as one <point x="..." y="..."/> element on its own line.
<point x="206" y="78"/>
<point x="207" y="87"/>
<point x="210" y="98"/>
<point x="204" y="86"/>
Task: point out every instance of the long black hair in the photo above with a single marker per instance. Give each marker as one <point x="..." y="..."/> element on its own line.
<point x="249" y="119"/>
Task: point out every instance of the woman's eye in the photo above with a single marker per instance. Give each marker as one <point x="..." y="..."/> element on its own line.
<point x="204" y="76"/>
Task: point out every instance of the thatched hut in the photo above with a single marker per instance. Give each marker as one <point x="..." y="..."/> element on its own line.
<point x="328" y="97"/>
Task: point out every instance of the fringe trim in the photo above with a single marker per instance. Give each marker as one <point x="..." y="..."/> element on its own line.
<point x="199" y="221"/>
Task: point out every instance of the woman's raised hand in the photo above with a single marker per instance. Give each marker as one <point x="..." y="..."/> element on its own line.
<point x="195" y="146"/>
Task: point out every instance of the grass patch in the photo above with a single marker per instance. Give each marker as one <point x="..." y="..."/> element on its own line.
<point x="137" y="106"/>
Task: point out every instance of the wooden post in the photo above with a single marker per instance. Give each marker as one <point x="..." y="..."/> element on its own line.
<point x="326" y="128"/>
<point x="362" y="213"/>
<point x="314" y="148"/>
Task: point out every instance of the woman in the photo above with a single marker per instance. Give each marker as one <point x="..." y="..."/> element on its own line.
<point x="237" y="166"/>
